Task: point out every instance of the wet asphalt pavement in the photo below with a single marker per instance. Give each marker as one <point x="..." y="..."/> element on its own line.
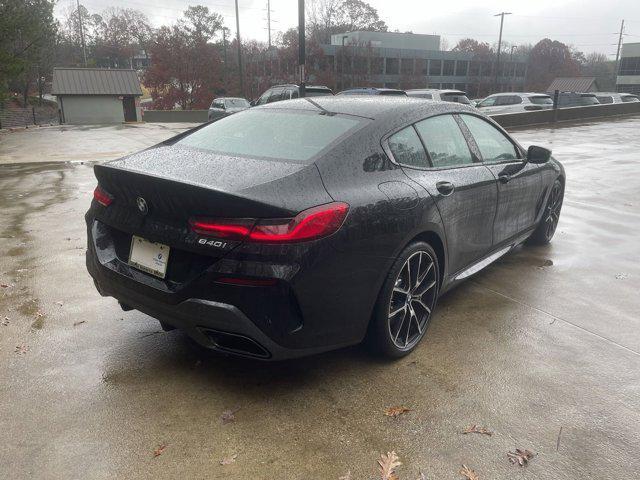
<point x="542" y="348"/>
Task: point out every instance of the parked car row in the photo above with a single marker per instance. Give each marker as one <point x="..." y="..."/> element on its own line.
<point x="498" y="103"/>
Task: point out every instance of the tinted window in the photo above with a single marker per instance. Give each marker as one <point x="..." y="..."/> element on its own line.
<point x="263" y="99"/>
<point x="508" y="100"/>
<point x="393" y="92"/>
<point x="217" y="104"/>
<point x="629" y="98"/>
<point x="407" y="148"/>
<point x="607" y="99"/>
<point x="455" y="97"/>
<point x="420" y="95"/>
<point x="444" y="141"/>
<point x="276" y="95"/>
<point x="286" y="135"/>
<point x="541" y="100"/>
<point x="493" y="144"/>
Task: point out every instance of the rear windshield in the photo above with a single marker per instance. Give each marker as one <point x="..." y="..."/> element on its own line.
<point x="629" y="98"/>
<point x="456" y="98"/>
<point x="272" y="133"/>
<point x="236" y="102"/>
<point x="541" y="100"/>
<point x="393" y="92"/>
<point x="317" y="93"/>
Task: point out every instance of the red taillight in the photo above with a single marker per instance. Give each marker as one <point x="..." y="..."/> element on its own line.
<point x="102" y="197"/>
<point x="311" y="224"/>
<point x="230" y="229"/>
<point x="316" y="222"/>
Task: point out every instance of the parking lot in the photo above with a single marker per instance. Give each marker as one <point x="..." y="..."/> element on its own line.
<point x="542" y="348"/>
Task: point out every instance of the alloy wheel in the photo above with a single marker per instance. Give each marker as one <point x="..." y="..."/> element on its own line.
<point x="412" y="300"/>
<point x="552" y="212"/>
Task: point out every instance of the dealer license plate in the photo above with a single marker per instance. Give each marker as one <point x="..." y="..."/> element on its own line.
<point x="149" y="256"/>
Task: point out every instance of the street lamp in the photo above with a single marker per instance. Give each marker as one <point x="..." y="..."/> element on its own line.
<point x="501" y="15"/>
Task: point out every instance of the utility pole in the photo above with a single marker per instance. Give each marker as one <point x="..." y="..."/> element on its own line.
<point x="344" y="37"/>
<point x="301" y="48"/>
<point x="513" y="47"/>
<point x="269" y="22"/>
<point x="501" y="15"/>
<point x="84" y="49"/>
<point x="239" y="51"/>
<point x="615" y="72"/>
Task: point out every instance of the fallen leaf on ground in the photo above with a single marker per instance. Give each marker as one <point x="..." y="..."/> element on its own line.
<point x="160" y="450"/>
<point x="229" y="460"/>
<point x="468" y="473"/>
<point x="388" y="464"/>
<point x="346" y="476"/>
<point x="477" y="429"/>
<point x="521" y="457"/>
<point x="22" y="349"/>
<point x="229" y="416"/>
<point x="5" y="285"/>
<point x="75" y="324"/>
<point x="395" y="411"/>
<point x="5" y="322"/>
<point x="39" y="314"/>
<point x="59" y="303"/>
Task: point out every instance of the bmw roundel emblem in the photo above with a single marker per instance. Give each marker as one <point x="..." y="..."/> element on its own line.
<point x="142" y="205"/>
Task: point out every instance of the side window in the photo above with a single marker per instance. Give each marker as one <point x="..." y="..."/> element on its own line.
<point x="444" y="141"/>
<point x="407" y="148"/>
<point x="295" y="93"/>
<point x="493" y="144"/>
<point x="276" y="95"/>
<point x="606" y="99"/>
<point x="263" y="99"/>
<point x="488" y="102"/>
<point x="218" y="104"/>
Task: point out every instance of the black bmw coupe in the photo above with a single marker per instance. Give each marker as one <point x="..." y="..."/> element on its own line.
<point x="312" y="224"/>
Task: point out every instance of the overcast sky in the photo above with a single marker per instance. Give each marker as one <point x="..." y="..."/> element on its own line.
<point x="589" y="25"/>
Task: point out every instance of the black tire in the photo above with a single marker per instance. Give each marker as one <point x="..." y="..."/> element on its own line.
<point x="549" y="222"/>
<point x="385" y="325"/>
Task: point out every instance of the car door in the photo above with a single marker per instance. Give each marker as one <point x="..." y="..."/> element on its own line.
<point x="519" y="182"/>
<point x="435" y="154"/>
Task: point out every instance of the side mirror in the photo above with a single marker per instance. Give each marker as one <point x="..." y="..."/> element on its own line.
<point x="537" y="154"/>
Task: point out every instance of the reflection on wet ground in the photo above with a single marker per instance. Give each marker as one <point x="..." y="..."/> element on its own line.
<point x="546" y="339"/>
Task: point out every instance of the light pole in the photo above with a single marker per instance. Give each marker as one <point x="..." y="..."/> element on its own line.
<point x="239" y="51"/>
<point x="501" y="15"/>
<point x="513" y="75"/>
<point x="301" y="48"/>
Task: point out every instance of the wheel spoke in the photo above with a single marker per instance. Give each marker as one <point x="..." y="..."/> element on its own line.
<point x="422" y="291"/>
<point x="422" y="304"/>
<point x="397" y="310"/>
<point x="424" y="275"/>
<point x="395" y="339"/>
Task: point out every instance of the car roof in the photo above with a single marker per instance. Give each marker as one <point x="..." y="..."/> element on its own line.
<point x="229" y="98"/>
<point x="528" y="94"/>
<point x="324" y="87"/>
<point x="373" y="89"/>
<point x="375" y="108"/>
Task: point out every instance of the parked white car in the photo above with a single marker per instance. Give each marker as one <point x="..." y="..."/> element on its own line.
<point x="514" y="102"/>
<point x="614" y="97"/>
<point x="456" y="96"/>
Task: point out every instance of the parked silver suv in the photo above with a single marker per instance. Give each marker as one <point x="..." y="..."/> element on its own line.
<point x="514" y="102"/>
<point x="456" y="96"/>
<point x="223" y="106"/>
<point x="614" y="97"/>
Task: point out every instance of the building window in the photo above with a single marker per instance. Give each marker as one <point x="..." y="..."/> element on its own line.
<point x="474" y="69"/>
<point x="435" y="67"/>
<point x="448" y="67"/>
<point x="630" y="66"/>
<point x="377" y="65"/>
<point x="406" y="66"/>
<point x="447" y="85"/>
<point x="461" y="68"/>
<point x="461" y="86"/>
<point x="434" y="85"/>
<point x="392" y="66"/>
<point x="421" y="66"/>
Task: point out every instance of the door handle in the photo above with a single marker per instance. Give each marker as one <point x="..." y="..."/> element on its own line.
<point x="504" y="178"/>
<point x="445" y="188"/>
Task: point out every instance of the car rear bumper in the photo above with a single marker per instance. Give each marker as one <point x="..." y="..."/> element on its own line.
<point x="213" y="322"/>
